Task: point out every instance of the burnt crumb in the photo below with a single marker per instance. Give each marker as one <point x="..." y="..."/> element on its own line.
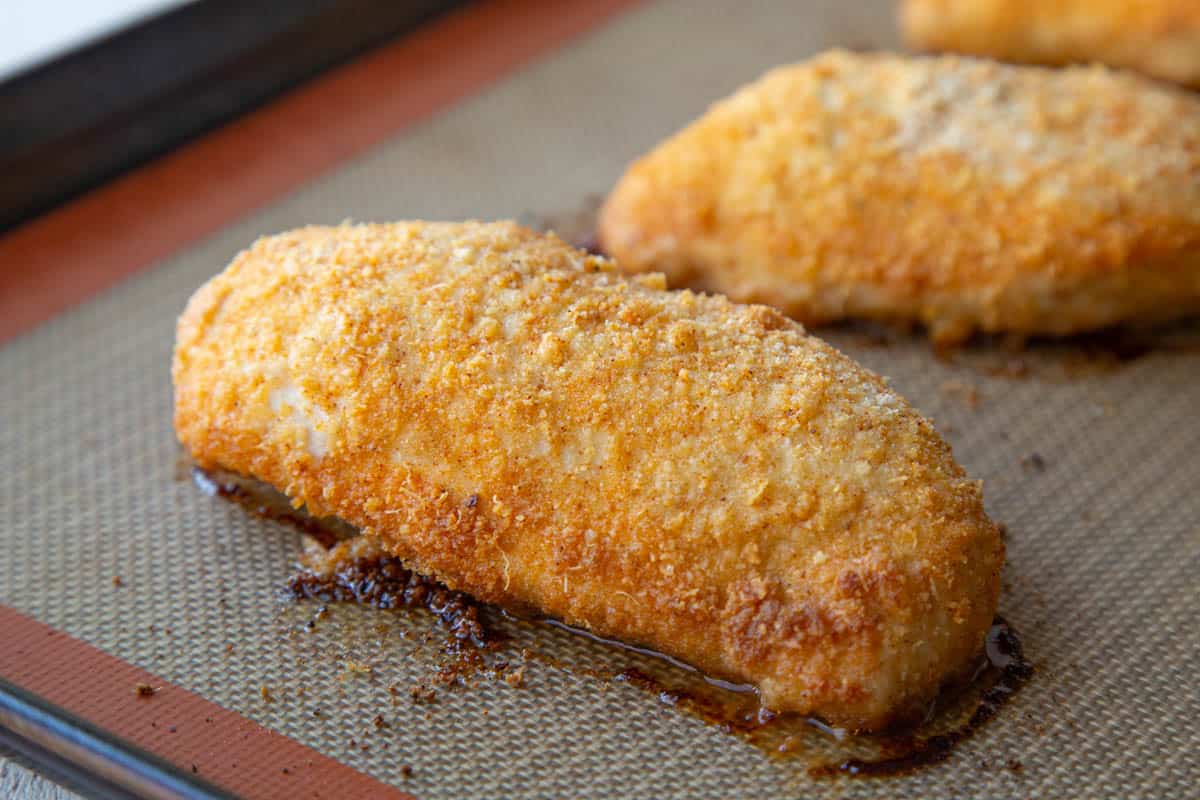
<point x="422" y="694"/>
<point x="1034" y="461"/>
<point x="117" y="581"/>
<point x="285" y="771"/>
<point x="145" y="690"/>
<point x="449" y="674"/>
<point x="265" y="692"/>
<point x="316" y="712"/>
<point x="1002" y="529"/>
<point x="1014" y="765"/>
<point x="195" y="769"/>
<point x="406" y="771"/>
<point x="384" y="582"/>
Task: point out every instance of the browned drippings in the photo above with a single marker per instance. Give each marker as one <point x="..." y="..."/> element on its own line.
<point x="1072" y="357"/>
<point x="735" y="709"/>
<point x="577" y="227"/>
<point x="354" y="569"/>
<point x="263" y="501"/>
<point x="1004" y="672"/>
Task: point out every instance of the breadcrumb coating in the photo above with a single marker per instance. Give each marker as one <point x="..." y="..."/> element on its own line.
<point x="1158" y="37"/>
<point x="515" y="418"/>
<point x="962" y="194"/>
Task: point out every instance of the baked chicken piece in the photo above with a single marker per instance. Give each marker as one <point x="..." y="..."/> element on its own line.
<point x="1158" y="37"/>
<point x="513" y="417"/>
<point x="963" y="194"/>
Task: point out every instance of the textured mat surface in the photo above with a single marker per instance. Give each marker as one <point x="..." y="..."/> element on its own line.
<point x="1103" y="524"/>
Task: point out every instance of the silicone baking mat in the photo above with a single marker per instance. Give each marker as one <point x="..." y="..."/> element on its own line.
<point x="1090" y="458"/>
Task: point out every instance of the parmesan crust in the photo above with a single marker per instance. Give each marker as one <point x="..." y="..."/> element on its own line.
<point x="962" y="194"/>
<point x="513" y="417"/>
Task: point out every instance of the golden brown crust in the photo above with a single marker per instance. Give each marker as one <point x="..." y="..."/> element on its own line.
<point x="510" y="415"/>
<point x="962" y="194"/>
<point x="1158" y="37"/>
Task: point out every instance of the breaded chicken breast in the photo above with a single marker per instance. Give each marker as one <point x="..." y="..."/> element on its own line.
<point x="512" y="416"/>
<point x="1158" y="37"/>
<point x="962" y="194"/>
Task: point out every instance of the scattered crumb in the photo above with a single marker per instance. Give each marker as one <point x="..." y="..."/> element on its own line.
<point x="116" y="581"/>
<point x="962" y="391"/>
<point x="356" y="668"/>
<point x="265" y="692"/>
<point x="285" y="771"/>
<point x="406" y="771"/>
<point x="1015" y="765"/>
<point x="195" y="769"/>
<point x="1034" y="461"/>
<point x="515" y="678"/>
<point x="380" y="722"/>
<point x="1002" y="529"/>
<point x="229" y="649"/>
<point x="423" y="694"/>
<point x="145" y="690"/>
<point x="172" y="729"/>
